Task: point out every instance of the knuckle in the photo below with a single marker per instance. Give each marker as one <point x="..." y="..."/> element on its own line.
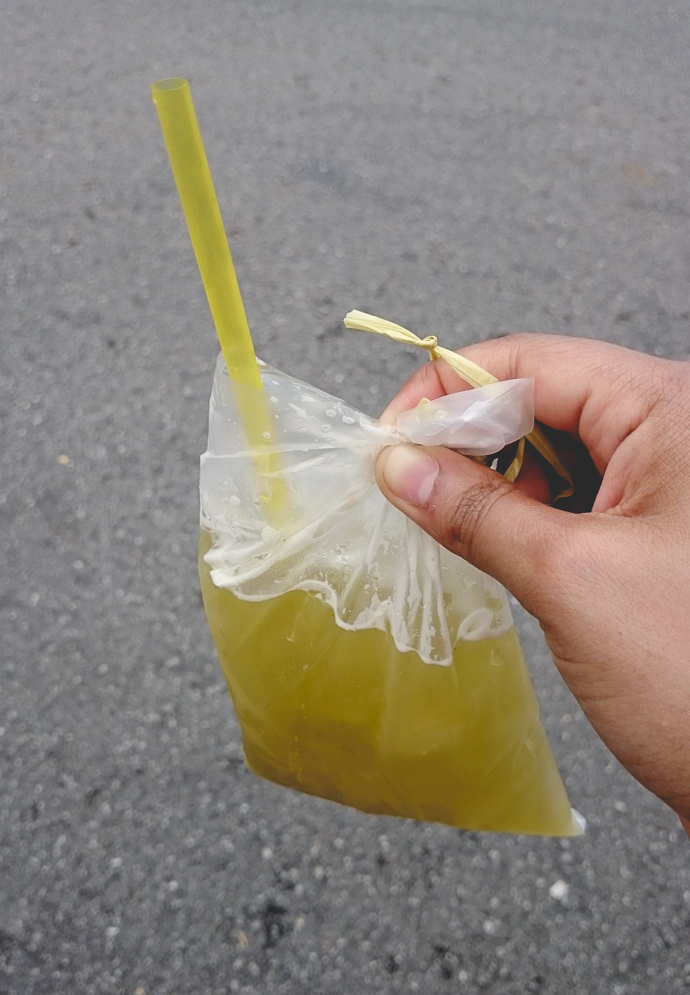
<point x="469" y="512"/>
<point x="674" y="386"/>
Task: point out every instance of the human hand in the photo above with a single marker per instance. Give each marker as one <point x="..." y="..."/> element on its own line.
<point x="610" y="587"/>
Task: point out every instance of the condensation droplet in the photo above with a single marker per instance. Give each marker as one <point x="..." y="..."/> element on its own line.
<point x="274" y="399"/>
<point x="325" y="428"/>
<point x="267" y="435"/>
<point x="233" y="499"/>
<point x="348" y="420"/>
<point x="331" y="413"/>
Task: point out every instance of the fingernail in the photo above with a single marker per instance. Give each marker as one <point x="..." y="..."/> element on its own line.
<point x="410" y="473"/>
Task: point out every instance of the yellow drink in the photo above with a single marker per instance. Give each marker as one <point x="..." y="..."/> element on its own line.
<point x="347" y="716"/>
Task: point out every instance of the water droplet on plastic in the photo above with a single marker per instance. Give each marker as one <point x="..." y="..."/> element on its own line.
<point x="267" y="435"/>
<point x="325" y="428"/>
<point x="348" y="420"/>
<point x="233" y="499"/>
<point x="274" y="399"/>
<point x="331" y="413"/>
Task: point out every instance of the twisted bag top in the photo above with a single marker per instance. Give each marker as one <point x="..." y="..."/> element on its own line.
<point x="341" y="539"/>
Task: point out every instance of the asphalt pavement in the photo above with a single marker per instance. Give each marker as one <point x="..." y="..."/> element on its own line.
<point x="465" y="169"/>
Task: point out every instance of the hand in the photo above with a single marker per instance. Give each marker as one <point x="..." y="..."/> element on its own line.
<point x="610" y="587"/>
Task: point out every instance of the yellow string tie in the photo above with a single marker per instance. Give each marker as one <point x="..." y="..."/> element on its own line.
<point x="472" y="374"/>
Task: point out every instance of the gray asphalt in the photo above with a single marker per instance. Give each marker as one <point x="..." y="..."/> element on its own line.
<point x="463" y="168"/>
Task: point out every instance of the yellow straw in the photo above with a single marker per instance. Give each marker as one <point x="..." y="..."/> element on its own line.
<point x="173" y="101"/>
<point x="182" y="137"/>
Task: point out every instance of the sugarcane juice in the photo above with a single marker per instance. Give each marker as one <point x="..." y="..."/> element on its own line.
<point x="347" y="716"/>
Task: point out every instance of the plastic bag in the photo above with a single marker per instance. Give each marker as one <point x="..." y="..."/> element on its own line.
<point x="475" y="422"/>
<point x="368" y="664"/>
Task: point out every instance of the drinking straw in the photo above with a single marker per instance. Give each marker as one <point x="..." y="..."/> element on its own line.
<point x="173" y="101"/>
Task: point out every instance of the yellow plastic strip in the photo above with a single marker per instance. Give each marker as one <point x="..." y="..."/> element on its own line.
<point x="472" y="374"/>
<point x="513" y="470"/>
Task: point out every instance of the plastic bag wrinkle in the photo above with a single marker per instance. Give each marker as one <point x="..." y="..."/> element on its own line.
<point x="346" y="543"/>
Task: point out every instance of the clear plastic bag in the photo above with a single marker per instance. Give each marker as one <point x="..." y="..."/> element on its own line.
<point x="368" y="664"/>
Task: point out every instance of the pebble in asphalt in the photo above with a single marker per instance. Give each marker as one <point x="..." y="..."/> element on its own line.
<point x="465" y="169"/>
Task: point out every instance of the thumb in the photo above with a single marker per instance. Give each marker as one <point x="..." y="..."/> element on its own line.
<point x="475" y="513"/>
